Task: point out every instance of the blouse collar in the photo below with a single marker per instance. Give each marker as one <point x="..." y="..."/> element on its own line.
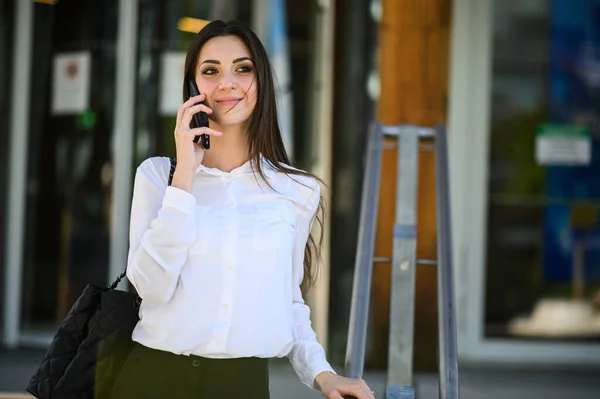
<point x="246" y="168"/>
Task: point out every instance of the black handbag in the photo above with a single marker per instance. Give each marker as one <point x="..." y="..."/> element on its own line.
<point x="91" y="344"/>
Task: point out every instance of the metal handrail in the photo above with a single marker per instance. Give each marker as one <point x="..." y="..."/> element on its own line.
<point x="448" y="361"/>
<point x="359" y="311"/>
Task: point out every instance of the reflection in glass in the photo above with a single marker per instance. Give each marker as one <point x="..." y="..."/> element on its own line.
<point x="69" y="174"/>
<point x="543" y="227"/>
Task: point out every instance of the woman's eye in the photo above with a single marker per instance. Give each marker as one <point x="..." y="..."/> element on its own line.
<point x="209" y="71"/>
<point x="244" y="68"/>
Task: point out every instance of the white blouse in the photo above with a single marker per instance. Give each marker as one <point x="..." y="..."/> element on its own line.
<point x="219" y="270"/>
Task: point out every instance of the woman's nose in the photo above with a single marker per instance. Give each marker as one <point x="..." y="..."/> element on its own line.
<point x="228" y="82"/>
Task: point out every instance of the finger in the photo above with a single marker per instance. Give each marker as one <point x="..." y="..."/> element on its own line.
<point x="369" y="392"/>
<point x="205" y="108"/>
<point x="353" y="392"/>
<point x="206" y="130"/>
<point x="335" y="395"/>
<point x="186" y="133"/>
<point x="189" y="113"/>
<point x="198" y="108"/>
<point x="366" y="394"/>
<point x="190" y="102"/>
<point x="190" y="134"/>
<point x="194" y="100"/>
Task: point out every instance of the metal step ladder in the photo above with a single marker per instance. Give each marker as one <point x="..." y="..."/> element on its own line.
<point x="404" y="261"/>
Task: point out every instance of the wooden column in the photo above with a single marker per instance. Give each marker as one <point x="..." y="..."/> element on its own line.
<point x="413" y="69"/>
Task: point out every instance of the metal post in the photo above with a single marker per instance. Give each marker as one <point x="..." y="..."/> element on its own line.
<point x="404" y="265"/>
<point x="359" y="311"/>
<point x="123" y="136"/>
<point x="448" y="363"/>
<point x="17" y="175"/>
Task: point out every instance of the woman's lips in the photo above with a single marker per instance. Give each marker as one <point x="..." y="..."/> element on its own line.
<point x="228" y="101"/>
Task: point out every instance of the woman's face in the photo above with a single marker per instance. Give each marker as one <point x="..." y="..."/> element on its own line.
<point x="226" y="74"/>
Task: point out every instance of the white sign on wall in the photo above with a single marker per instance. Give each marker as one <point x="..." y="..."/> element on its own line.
<point x="71" y="83"/>
<point x="563" y="145"/>
<point x="171" y="82"/>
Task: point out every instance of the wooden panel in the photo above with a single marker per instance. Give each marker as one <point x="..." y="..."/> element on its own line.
<point x="414" y="37"/>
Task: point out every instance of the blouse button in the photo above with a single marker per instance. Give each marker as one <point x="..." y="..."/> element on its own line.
<point x="196" y="363"/>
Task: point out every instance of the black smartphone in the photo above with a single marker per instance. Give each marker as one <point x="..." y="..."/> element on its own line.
<point x="199" y="119"/>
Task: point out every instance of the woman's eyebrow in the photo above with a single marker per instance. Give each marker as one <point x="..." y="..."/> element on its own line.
<point x="219" y="62"/>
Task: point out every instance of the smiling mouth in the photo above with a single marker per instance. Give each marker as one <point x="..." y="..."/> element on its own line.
<point x="232" y="101"/>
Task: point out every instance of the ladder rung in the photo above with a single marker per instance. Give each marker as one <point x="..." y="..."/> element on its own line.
<point x="423" y="262"/>
<point x="389" y="145"/>
<point x="397" y="130"/>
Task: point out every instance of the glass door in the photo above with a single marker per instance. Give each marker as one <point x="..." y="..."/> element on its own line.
<point x="524" y="151"/>
<point x="68" y="180"/>
<point x="543" y="258"/>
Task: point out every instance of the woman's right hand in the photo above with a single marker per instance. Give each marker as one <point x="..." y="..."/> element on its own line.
<point x="189" y="154"/>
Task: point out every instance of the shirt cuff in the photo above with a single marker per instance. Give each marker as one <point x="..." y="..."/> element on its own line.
<point x="179" y="199"/>
<point x="316" y="369"/>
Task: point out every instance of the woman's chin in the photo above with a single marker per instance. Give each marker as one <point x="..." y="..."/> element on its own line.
<point x="230" y="122"/>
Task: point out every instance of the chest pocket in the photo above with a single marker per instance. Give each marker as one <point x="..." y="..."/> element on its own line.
<point x="273" y="227"/>
<point x="200" y="245"/>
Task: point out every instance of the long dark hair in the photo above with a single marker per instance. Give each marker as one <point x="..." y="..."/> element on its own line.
<point x="264" y="135"/>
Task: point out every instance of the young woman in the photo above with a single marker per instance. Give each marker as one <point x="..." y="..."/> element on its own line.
<point x="220" y="257"/>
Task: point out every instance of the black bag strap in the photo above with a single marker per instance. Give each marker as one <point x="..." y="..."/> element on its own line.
<point x="172" y="171"/>
<point x="173" y="162"/>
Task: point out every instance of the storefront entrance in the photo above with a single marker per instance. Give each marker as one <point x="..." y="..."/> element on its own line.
<point x="61" y="168"/>
<point x="92" y="89"/>
<point x="525" y="170"/>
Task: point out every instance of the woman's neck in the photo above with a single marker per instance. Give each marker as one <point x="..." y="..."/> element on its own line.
<point x="228" y="151"/>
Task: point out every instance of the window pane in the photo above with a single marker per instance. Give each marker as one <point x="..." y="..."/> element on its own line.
<point x="69" y="180"/>
<point x="543" y="190"/>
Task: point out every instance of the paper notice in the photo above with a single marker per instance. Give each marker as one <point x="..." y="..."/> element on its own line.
<point x="71" y="83"/>
<point x="171" y="82"/>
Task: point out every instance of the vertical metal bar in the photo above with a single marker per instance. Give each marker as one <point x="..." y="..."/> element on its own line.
<point x="404" y="260"/>
<point x="359" y="310"/>
<point x="448" y="362"/>
<point x="19" y="131"/>
<point x="123" y="136"/>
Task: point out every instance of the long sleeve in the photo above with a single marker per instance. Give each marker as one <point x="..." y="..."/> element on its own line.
<point x="307" y="355"/>
<point x="162" y="229"/>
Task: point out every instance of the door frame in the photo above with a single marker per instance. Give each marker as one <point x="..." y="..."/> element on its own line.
<point x="469" y="127"/>
<point x="122" y="150"/>
<point x="17" y="171"/>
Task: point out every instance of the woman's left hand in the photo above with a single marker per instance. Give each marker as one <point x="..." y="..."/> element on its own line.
<point x="334" y="386"/>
